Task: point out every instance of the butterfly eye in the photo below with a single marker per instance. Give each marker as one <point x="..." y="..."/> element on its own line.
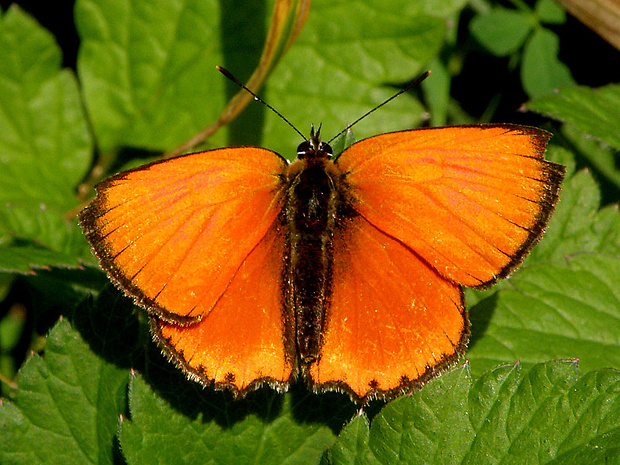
<point x="327" y="149"/>
<point x="304" y="149"/>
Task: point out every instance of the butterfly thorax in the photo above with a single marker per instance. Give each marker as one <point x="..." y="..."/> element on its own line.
<point x="312" y="200"/>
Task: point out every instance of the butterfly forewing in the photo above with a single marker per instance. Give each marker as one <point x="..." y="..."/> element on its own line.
<point x="173" y="234"/>
<point x="469" y="200"/>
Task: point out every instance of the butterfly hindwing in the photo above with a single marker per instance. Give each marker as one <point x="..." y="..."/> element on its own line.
<point x="243" y="341"/>
<point x="392" y="320"/>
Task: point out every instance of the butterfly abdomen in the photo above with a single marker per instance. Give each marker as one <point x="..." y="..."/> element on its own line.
<point x="310" y="215"/>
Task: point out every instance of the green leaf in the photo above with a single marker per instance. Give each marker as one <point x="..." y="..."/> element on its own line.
<point x="26" y="259"/>
<point x="537" y="316"/>
<point x="548" y="414"/>
<point x="541" y="71"/>
<point x="149" y="80"/>
<point x="550" y="12"/>
<point x="45" y="148"/>
<point x="67" y="406"/>
<point x="600" y="155"/>
<point x="12" y="329"/>
<point x="593" y="111"/>
<point x="45" y="145"/>
<point x="148" y="67"/>
<point x="343" y="141"/>
<point x="439" y="8"/>
<point x="45" y="239"/>
<point x="352" y="445"/>
<point x="578" y="226"/>
<point x="214" y="433"/>
<point x="501" y="31"/>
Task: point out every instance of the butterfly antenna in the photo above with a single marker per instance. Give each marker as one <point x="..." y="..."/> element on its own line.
<point x="402" y="91"/>
<point x="228" y="74"/>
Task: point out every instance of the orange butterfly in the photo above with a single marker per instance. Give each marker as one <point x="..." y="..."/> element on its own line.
<point x="345" y="271"/>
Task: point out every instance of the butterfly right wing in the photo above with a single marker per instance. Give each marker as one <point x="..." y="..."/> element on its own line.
<point x="470" y="200"/>
<point x="173" y="234"/>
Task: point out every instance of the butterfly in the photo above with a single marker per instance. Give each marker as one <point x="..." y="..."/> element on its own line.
<point x="344" y="271"/>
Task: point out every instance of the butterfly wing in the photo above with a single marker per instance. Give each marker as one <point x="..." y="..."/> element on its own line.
<point x="173" y="234"/>
<point x="470" y="200"/>
<point x="393" y="320"/>
<point x="434" y="209"/>
<point x="242" y="341"/>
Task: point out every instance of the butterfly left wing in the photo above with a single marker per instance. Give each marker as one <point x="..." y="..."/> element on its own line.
<point x="243" y="341"/>
<point x="393" y="321"/>
<point x="195" y="241"/>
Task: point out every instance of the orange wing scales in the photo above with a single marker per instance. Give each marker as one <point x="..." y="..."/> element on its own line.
<point x="241" y="343"/>
<point x="171" y="240"/>
<point x="393" y="321"/>
<point x="470" y="200"/>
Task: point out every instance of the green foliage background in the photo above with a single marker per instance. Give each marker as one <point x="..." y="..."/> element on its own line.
<point x="80" y="380"/>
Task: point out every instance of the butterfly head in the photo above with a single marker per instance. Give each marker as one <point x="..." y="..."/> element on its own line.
<point x="314" y="149"/>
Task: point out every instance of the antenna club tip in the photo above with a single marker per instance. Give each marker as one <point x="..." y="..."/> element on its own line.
<point x="226" y="73"/>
